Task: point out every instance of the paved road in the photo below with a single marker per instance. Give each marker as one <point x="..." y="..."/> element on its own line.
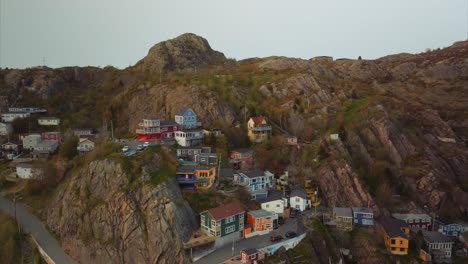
<point x="31" y="224"/>
<point x="225" y="252"/>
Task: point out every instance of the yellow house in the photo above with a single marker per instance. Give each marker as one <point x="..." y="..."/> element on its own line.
<point x="195" y="177"/>
<point x="258" y="129"/>
<point x="396" y="235"/>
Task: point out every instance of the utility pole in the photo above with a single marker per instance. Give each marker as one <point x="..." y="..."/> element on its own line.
<point x="219" y="169"/>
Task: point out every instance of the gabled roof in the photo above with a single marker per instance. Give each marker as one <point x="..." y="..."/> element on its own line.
<point x="185" y="111"/>
<point x="273" y="196"/>
<point x="435" y="237"/>
<point x="343" y="211"/>
<point x="260" y="213"/>
<point x="298" y="193"/>
<point x="243" y="150"/>
<point x="225" y="211"/>
<point x="365" y="210"/>
<point x="257" y="119"/>
<point x="85" y="140"/>
<point x="250" y="251"/>
<point x="393" y="227"/>
<point x="167" y="123"/>
<point x="254" y="174"/>
<point x="405" y="217"/>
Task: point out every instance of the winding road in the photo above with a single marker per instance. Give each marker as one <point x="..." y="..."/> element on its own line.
<point x="32" y="225"/>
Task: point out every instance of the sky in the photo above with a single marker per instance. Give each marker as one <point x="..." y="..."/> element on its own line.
<point x="120" y="32"/>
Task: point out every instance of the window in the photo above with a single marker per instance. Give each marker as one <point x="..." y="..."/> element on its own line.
<point x="402" y="249"/>
<point x="218" y="233"/>
<point x="267" y="206"/>
<point x="393" y="241"/>
<point x="401" y="242"/>
<point x="202" y="219"/>
<point x="230" y="229"/>
<point x="213" y="223"/>
<point x="230" y="219"/>
<point x="297" y="200"/>
<point x="277" y="205"/>
<point x="212" y="232"/>
<point x="241" y="216"/>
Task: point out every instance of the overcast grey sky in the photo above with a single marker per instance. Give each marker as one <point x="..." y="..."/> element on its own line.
<point x="120" y="32"/>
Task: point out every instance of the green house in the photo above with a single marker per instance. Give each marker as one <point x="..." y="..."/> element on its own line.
<point x="223" y="220"/>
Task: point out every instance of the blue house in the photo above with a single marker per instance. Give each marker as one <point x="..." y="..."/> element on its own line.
<point x="187" y="118"/>
<point x="257" y="182"/>
<point x="363" y="216"/>
<point x="452" y="229"/>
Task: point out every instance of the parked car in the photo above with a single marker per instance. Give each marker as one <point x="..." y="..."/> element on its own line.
<point x="125" y="148"/>
<point x="140" y="147"/>
<point x="290" y="234"/>
<point x="276" y="238"/>
<point x="146" y="144"/>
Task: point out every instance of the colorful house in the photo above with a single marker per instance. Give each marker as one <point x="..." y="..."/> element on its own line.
<point x="189" y="153"/>
<point x="48" y="121"/>
<point x="260" y="222"/>
<point x="187" y="118"/>
<point x="241" y="158"/>
<point x="452" y="229"/>
<point x="274" y="203"/>
<point x="53" y="136"/>
<point x="195" y="177"/>
<point x="85" y="145"/>
<point x="258" y="129"/>
<point x="363" y="216"/>
<point x="298" y="200"/>
<point x="438" y="245"/>
<point x="225" y="222"/>
<point x="343" y="218"/>
<point x="422" y="221"/>
<point x="156" y="129"/>
<point x="396" y="235"/>
<point x="257" y="182"/>
<point x="189" y="137"/>
<point x="249" y="255"/>
<point x="11" y="116"/>
<point x="291" y="140"/>
<point x="212" y="132"/>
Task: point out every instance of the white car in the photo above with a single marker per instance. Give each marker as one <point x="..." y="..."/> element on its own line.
<point x="125" y="148"/>
<point x="146" y="144"/>
<point x="140" y="147"/>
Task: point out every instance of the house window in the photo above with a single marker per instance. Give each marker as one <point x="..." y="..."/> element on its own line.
<point x="202" y="219"/>
<point x="213" y="223"/>
<point x="277" y="205"/>
<point x="229" y="229"/>
<point x="241" y="216"/>
<point x="402" y="249"/>
<point x="267" y="206"/>
<point x="218" y="233"/>
<point x="212" y="232"/>
<point x="393" y="241"/>
<point x="230" y="219"/>
<point x="297" y="200"/>
<point x="401" y="242"/>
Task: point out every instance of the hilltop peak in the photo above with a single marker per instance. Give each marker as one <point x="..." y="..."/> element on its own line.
<point x="184" y="53"/>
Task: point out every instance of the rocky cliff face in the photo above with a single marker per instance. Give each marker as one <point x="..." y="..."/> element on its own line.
<point x="187" y="52"/>
<point x="102" y="217"/>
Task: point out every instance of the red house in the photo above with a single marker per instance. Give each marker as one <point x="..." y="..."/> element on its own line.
<point x="55" y="136"/>
<point x="249" y="255"/>
<point x="155" y="129"/>
<point x="241" y="158"/>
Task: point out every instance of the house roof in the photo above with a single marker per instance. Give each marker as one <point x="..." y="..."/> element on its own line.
<point x="362" y="210"/>
<point x="393" y="227"/>
<point x="298" y="193"/>
<point x="260" y="213"/>
<point x="250" y="251"/>
<point x="343" y="211"/>
<point x="224" y="211"/>
<point x="184" y="111"/>
<point x="243" y="150"/>
<point x="257" y="119"/>
<point x="24" y="165"/>
<point x="49" y="118"/>
<point x="10" y="143"/>
<point x="273" y="196"/>
<point x="191" y="168"/>
<point x="253" y="174"/>
<point x="435" y="237"/>
<point x="168" y="123"/>
<point x="405" y="217"/>
<point x="85" y="140"/>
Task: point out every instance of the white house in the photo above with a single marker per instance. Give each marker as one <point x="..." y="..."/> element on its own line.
<point x="26" y="171"/>
<point x="257" y="182"/>
<point x="79" y="132"/>
<point x="438" y="244"/>
<point x="10" y="116"/>
<point x="274" y="203"/>
<point x="298" y="199"/>
<point x="29" y="110"/>
<point x="30" y="141"/>
<point x="48" y="121"/>
<point x="5" y="129"/>
<point x="189" y="138"/>
<point x="47" y="146"/>
<point x="85" y="145"/>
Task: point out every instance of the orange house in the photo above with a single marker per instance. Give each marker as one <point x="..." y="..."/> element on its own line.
<point x="260" y="222"/>
<point x="396" y="235"/>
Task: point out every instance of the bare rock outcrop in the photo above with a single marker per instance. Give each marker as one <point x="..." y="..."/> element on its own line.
<point x="102" y="217"/>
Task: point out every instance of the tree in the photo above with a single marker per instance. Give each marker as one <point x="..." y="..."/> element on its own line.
<point x="68" y="148"/>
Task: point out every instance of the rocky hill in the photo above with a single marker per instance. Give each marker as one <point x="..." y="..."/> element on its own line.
<point x="402" y="122"/>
